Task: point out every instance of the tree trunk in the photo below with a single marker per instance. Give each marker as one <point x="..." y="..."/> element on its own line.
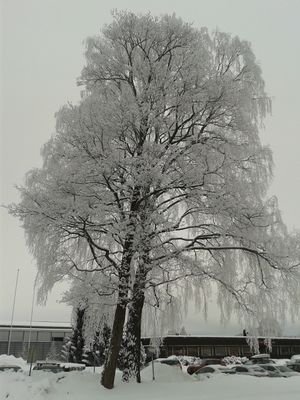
<point x="134" y="324"/>
<point x="137" y="319"/>
<point x="110" y="365"/>
<point x="109" y="370"/>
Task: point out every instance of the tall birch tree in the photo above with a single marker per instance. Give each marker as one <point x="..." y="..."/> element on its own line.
<point x="159" y="176"/>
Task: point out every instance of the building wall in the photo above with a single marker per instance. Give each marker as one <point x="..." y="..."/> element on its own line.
<point x="199" y="346"/>
<point x="41" y="339"/>
<point x="209" y="347"/>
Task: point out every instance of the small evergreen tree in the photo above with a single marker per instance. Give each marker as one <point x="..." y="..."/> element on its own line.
<point x="73" y="348"/>
<point x="66" y="349"/>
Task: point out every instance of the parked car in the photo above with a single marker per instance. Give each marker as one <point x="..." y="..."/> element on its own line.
<point x="13" y="368"/>
<point x="253" y="370"/>
<point x="48" y="366"/>
<point x="212" y="369"/>
<point x="72" y="367"/>
<point x="260" y="359"/>
<point x="295" y="366"/>
<point x="295" y="358"/>
<point x="173" y="361"/>
<point x="279" y="371"/>
<point x="191" y="369"/>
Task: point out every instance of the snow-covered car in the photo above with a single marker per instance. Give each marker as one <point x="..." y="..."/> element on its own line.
<point x="260" y="359"/>
<point x="72" y="367"/>
<point x="295" y="358"/>
<point x="13" y="368"/>
<point x="253" y="370"/>
<point x="208" y="370"/>
<point x="48" y="367"/>
<point x="280" y="371"/>
<point x="191" y="369"/>
<point x="169" y="361"/>
<point x="295" y="366"/>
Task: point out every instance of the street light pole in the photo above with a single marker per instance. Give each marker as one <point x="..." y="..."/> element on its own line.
<point x="31" y="315"/>
<point x="12" y="313"/>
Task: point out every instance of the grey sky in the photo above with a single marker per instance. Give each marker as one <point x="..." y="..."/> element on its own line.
<point x="41" y="57"/>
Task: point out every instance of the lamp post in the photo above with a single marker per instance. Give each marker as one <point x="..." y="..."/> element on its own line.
<point x="31" y="314"/>
<point x="12" y="313"/>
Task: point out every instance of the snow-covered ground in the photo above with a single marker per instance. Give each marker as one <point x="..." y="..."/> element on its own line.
<point x="170" y="383"/>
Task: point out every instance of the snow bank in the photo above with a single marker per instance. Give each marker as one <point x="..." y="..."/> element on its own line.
<point x="164" y="373"/>
<point x="12" y="360"/>
<point x="19" y="386"/>
<point x="170" y="382"/>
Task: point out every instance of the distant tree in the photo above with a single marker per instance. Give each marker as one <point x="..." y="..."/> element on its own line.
<point x="158" y="177"/>
<point x="269" y="326"/>
<point x="183" y="331"/>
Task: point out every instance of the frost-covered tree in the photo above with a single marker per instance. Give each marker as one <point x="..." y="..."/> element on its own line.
<point x="269" y="326"/>
<point x="183" y="331"/>
<point x="157" y="180"/>
<point x="85" y="294"/>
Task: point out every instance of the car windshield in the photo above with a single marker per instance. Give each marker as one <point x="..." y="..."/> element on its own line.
<point x="282" y="368"/>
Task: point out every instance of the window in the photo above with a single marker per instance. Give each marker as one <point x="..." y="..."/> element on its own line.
<point x="234" y="351"/>
<point x="205" y="370"/>
<point x="206" y="351"/>
<point x="178" y="351"/>
<point x="192" y="351"/>
<point x="33" y="336"/>
<point x="4" y="336"/>
<point x="17" y="336"/>
<point x="246" y="350"/>
<point x="163" y="351"/>
<point x="270" y="368"/>
<point x="220" y="351"/>
<point x="57" y="336"/>
<point x="57" y="339"/>
<point x="285" y="350"/>
<point x="170" y="351"/>
<point x="241" y="369"/>
<point x="296" y="349"/>
<point x="44" y="336"/>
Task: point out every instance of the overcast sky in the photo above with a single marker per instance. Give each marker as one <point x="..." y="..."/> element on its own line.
<point x="41" y="57"/>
